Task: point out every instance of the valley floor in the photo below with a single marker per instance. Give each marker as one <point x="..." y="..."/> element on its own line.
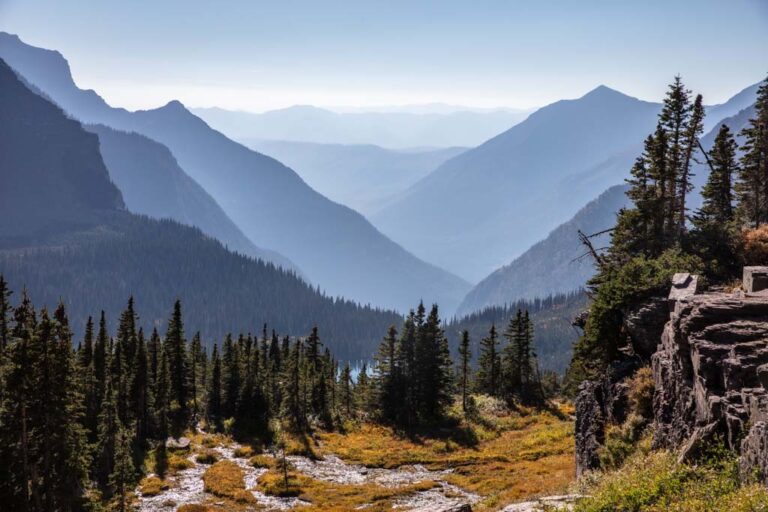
<point x="499" y="458"/>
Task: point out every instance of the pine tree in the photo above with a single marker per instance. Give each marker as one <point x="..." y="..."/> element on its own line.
<point x="387" y="378"/>
<point x="231" y="377"/>
<point x="753" y="176"/>
<point x="434" y="378"/>
<point x="291" y="408"/>
<point x="213" y="407"/>
<point x="464" y="369"/>
<point x="109" y="426"/>
<point x="363" y="390"/>
<point x="139" y="393"/>
<point x="175" y="346"/>
<point x="5" y="312"/>
<point x="714" y="223"/>
<point x="345" y="390"/>
<point x="19" y="489"/>
<point x="489" y="364"/>
<point x="252" y="418"/>
<point x="123" y="471"/>
<point x="195" y="357"/>
<point x="162" y="412"/>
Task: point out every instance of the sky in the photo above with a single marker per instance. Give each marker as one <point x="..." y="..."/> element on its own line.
<point x="259" y="55"/>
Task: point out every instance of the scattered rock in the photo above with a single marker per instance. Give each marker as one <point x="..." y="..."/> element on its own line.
<point x="546" y="504"/>
<point x="179" y="444"/>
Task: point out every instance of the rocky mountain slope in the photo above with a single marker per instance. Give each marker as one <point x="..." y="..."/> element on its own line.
<point x="335" y="246"/>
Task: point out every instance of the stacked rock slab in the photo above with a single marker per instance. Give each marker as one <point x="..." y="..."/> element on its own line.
<point x="711" y="376"/>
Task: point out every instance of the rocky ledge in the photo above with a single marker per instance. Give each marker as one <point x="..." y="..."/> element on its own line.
<point x="711" y="376"/>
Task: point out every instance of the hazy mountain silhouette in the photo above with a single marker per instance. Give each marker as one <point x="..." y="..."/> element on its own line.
<point x="553" y="265"/>
<point x="65" y="235"/>
<point x="363" y="177"/>
<point x="548" y="267"/>
<point x="64" y="186"/>
<point x="487" y="205"/>
<point x="731" y="108"/>
<point x="153" y="184"/>
<point x="334" y="245"/>
<point x="305" y="123"/>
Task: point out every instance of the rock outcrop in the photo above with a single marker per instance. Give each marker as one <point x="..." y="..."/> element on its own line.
<point x="711" y="375"/>
<point x="605" y="401"/>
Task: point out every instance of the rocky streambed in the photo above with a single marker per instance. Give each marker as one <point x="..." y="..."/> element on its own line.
<point x="187" y="487"/>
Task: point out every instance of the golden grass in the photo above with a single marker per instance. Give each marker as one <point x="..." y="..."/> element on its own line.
<point x="194" y="507"/>
<point x="517" y="454"/>
<point x="225" y="479"/>
<point x="152" y="486"/>
<point x="262" y="461"/>
<point x="332" y="497"/>
<point x="206" y="457"/>
<point x="243" y="452"/>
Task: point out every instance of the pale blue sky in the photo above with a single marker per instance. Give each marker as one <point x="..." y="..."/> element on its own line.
<point x="257" y="55"/>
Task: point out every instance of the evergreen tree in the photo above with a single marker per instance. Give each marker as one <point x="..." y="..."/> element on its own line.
<point x="175" y="347"/>
<point x="213" y="408"/>
<point x="387" y="380"/>
<point x="345" y="390"/>
<point x="162" y="412"/>
<point x="291" y="408"/>
<point x="489" y="364"/>
<point x="139" y="393"/>
<point x="715" y="229"/>
<point x="5" y="313"/>
<point x="123" y="472"/>
<point x="231" y="377"/>
<point x="109" y="426"/>
<point x="464" y="370"/>
<point x="753" y="176"/>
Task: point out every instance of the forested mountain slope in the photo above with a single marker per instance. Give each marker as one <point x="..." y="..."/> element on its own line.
<point x="153" y="184"/>
<point x="65" y="235"/>
<point x="334" y="245"/>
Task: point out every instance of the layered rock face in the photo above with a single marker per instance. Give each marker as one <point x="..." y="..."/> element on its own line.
<point x="711" y="375"/>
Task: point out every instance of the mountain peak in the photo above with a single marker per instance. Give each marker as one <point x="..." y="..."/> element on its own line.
<point x="603" y="91"/>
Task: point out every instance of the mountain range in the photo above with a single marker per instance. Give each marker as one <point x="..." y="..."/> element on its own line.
<point x="333" y="245"/>
<point x="557" y="263"/>
<point x="65" y="235"/>
<point x="304" y="123"/>
<point x="484" y="207"/>
<point x="362" y="176"/>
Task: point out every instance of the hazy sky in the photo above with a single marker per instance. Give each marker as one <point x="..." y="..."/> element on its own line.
<point x="257" y="55"/>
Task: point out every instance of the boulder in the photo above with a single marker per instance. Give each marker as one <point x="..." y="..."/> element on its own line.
<point x="179" y="444"/>
<point x="644" y="324"/>
<point x="755" y="279"/>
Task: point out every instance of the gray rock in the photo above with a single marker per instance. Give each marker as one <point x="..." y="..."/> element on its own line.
<point x="755" y="279"/>
<point x="683" y="286"/>
<point x="180" y="444"/>
<point x="710" y="373"/>
<point x="644" y="325"/>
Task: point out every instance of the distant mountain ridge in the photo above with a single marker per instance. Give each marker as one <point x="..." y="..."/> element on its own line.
<point x="556" y="264"/>
<point x="482" y="208"/>
<point x="393" y="130"/>
<point x="363" y="177"/>
<point x="65" y="235"/>
<point x="153" y="184"/>
<point x="335" y="246"/>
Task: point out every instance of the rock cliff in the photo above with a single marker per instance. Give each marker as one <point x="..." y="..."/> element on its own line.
<point x="711" y="375"/>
